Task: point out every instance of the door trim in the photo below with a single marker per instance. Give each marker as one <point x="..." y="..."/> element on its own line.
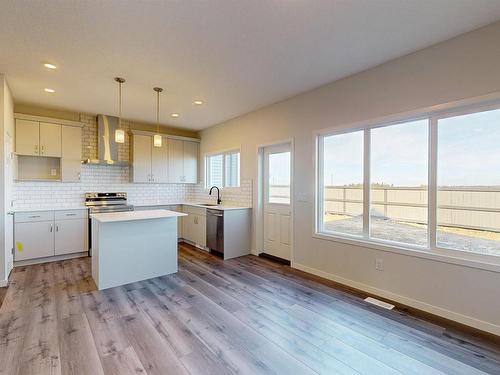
<point x="259" y="195"/>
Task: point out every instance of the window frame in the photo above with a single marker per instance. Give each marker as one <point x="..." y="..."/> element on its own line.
<point x="432" y="250"/>
<point x="223" y="153"/>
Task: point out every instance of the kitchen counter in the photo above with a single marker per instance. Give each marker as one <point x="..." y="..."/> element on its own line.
<point x="110" y="217"/>
<point x="195" y="204"/>
<point x="142" y="204"/>
<point x="133" y="246"/>
<point x="49" y="208"/>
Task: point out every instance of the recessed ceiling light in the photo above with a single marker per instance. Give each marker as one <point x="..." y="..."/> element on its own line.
<point x="198" y="102"/>
<point x="49" y="90"/>
<point x="175" y="115"/>
<point x="50" y="66"/>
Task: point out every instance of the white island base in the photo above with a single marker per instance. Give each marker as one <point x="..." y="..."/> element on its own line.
<point x="133" y="246"/>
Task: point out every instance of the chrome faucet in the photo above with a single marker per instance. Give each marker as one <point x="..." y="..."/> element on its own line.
<point x="218" y="194"/>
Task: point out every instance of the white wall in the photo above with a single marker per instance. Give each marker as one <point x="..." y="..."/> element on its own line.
<point x="6" y="126"/>
<point x="464" y="67"/>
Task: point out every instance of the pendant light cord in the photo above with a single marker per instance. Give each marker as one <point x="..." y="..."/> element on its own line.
<point x="120" y="82"/>
<point x="158" y="91"/>
<point x="158" y="111"/>
<point x="119" y="105"/>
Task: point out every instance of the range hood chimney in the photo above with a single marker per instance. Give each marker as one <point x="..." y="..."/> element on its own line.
<point x="107" y="148"/>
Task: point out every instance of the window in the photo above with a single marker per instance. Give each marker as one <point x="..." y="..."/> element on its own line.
<point x="223" y="170"/>
<point x="232" y="168"/>
<point x="468" y="179"/>
<point x="431" y="183"/>
<point x="279" y="178"/>
<point x="398" y="182"/>
<point x="342" y="184"/>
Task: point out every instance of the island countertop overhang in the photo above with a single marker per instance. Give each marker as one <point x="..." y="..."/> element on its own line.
<point x="110" y="217"/>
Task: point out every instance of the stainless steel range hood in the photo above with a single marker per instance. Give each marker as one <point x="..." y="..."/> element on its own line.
<point x="107" y="148"/>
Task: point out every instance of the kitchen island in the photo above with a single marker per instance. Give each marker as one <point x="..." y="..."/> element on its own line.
<point x="133" y="246"/>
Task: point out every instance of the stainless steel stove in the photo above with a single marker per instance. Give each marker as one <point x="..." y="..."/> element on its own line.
<point x="105" y="202"/>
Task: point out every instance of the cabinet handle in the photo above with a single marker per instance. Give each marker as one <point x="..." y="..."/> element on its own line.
<point x="34" y="216"/>
<point x="50" y="228"/>
<point x="36" y="149"/>
<point x="57" y="228"/>
<point x="42" y="150"/>
<point x="79" y="176"/>
<point x="70" y="214"/>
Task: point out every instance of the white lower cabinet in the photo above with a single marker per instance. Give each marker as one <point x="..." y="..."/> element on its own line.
<point x="201" y="230"/>
<point x="33" y="240"/>
<point x="71" y="236"/>
<point x="194" y="227"/>
<point x="48" y="233"/>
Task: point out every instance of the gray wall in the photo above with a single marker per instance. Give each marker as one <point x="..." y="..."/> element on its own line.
<point x="464" y="67"/>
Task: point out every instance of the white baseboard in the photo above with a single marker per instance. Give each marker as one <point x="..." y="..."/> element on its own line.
<point x="49" y="259"/>
<point x="436" y="310"/>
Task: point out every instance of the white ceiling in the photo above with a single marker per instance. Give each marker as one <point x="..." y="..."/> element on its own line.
<point x="236" y="55"/>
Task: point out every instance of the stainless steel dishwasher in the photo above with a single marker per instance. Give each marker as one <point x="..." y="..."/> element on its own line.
<point x="215" y="230"/>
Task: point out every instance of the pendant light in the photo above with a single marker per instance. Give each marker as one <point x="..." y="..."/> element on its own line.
<point x="120" y="133"/>
<point x="157" y="137"/>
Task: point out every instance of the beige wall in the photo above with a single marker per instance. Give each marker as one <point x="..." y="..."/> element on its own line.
<point x="464" y="67"/>
<point x="6" y="127"/>
<point x="35" y="110"/>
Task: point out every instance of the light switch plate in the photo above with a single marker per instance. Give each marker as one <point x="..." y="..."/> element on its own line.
<point x="301" y="197"/>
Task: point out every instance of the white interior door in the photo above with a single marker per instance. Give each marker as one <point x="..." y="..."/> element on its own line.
<point x="277" y="201"/>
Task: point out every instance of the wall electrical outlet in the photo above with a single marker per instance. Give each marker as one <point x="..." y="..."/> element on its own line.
<point x="379" y="264"/>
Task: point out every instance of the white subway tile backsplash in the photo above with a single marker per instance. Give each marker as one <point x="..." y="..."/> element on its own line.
<point x="241" y="196"/>
<point x="29" y="194"/>
<point x="36" y="194"/>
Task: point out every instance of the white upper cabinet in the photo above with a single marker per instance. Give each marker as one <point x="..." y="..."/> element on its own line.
<point x="159" y="162"/>
<point x="27" y="137"/>
<point x="71" y="153"/>
<point x="56" y="143"/>
<point x="149" y="163"/>
<point x="50" y="139"/>
<point x="182" y="161"/>
<point x="190" y="162"/>
<point x="141" y="158"/>
<point x="175" y="160"/>
<point x="35" y="138"/>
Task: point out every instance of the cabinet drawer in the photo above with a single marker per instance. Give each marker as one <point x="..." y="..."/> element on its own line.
<point x="71" y="214"/>
<point x="26" y="217"/>
<point x="196" y="210"/>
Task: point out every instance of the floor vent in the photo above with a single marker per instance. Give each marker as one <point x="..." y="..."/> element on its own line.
<point x="379" y="303"/>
